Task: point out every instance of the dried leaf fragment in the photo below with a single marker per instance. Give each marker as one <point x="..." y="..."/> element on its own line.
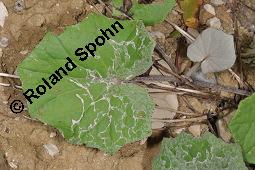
<point x="190" y="10"/>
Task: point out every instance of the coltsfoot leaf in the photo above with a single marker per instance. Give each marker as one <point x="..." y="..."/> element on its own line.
<point x="242" y="127"/>
<point x="204" y="153"/>
<point x="149" y="13"/>
<point x="93" y="104"/>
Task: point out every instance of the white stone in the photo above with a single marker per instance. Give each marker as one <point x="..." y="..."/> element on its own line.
<point x="209" y="8"/>
<point x="217" y="2"/>
<point x="214" y="23"/>
<point x="13" y="165"/>
<point x="4" y="42"/>
<point x="3" y="13"/>
<point x="24" y="52"/>
<point x="52" y="134"/>
<point x="51" y="149"/>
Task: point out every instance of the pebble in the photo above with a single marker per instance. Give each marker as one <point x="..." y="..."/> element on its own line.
<point x="52" y="134"/>
<point x="1" y="52"/>
<point x="3" y="13"/>
<point x="217" y="2"/>
<point x="13" y="165"/>
<point x="214" y="23"/>
<point x="24" y="52"/>
<point x="4" y="42"/>
<point x="209" y="8"/>
<point x="51" y="149"/>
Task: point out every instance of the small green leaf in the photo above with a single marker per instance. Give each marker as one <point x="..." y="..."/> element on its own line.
<point x="93" y="104"/>
<point x="242" y="127"/>
<point x="149" y="13"/>
<point x="205" y="153"/>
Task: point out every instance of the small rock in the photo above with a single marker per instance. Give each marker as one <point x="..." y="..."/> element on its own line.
<point x="209" y="8"/>
<point x="52" y="134"/>
<point x="19" y="5"/>
<point x="3" y="13"/>
<point x="51" y="149"/>
<point x="142" y="142"/>
<point x="13" y="164"/>
<point x="24" y="52"/>
<point x="214" y="23"/>
<point x="195" y="130"/>
<point x="4" y="42"/>
<point x="217" y="2"/>
<point x="1" y="52"/>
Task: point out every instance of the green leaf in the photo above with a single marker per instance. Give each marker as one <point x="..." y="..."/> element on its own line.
<point x="93" y="104"/>
<point x="150" y="14"/>
<point x="207" y="152"/>
<point x="242" y="127"/>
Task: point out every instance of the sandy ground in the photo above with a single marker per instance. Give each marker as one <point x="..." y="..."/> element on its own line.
<point x="22" y="139"/>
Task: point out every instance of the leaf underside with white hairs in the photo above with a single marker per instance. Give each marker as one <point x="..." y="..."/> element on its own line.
<point x="206" y="152"/>
<point x="89" y="105"/>
<point x="215" y="49"/>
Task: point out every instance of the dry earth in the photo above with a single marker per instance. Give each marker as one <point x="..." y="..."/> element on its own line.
<point x="22" y="139"/>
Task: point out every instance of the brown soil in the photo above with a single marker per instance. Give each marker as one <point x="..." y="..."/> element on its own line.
<point x="22" y="139"/>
